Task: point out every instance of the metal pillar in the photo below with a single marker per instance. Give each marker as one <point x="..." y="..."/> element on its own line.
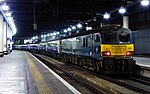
<point x="9" y="39"/>
<point x="125" y="21"/>
<point x="5" y="38"/>
<point x="1" y="36"/>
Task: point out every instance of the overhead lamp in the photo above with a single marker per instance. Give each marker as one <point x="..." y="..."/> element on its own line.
<point x="11" y="22"/>
<point x="2" y="0"/>
<point x="88" y="28"/>
<point x="8" y="14"/>
<point x="10" y="19"/>
<point x="45" y="36"/>
<point x="122" y="10"/>
<point x="65" y="30"/>
<point x="5" y="7"/>
<point x="79" y="25"/>
<point x="106" y="16"/>
<point x="145" y="2"/>
<point x="51" y="34"/>
<point x="54" y="33"/>
<point x="33" y="38"/>
<point x="48" y="35"/>
<point x="57" y="33"/>
<point x="14" y="31"/>
<point x="73" y="27"/>
<point x="69" y="29"/>
<point x="42" y="36"/>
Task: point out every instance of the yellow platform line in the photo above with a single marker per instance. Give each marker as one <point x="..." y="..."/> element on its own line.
<point x="38" y="78"/>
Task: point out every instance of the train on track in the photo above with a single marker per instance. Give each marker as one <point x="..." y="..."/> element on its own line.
<point x="108" y="49"/>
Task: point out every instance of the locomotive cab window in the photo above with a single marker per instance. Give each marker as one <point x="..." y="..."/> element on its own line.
<point x="109" y="37"/>
<point x="117" y="36"/>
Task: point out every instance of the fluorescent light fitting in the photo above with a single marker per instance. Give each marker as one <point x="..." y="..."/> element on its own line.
<point x="10" y="19"/>
<point x="2" y="0"/>
<point x="48" y="35"/>
<point x="57" y="33"/>
<point x="65" y="30"/>
<point x="8" y="14"/>
<point x="73" y="27"/>
<point x="54" y="34"/>
<point x="79" y="25"/>
<point x="69" y="29"/>
<point x="122" y="10"/>
<point x="106" y="16"/>
<point x="5" y="7"/>
<point x="145" y="2"/>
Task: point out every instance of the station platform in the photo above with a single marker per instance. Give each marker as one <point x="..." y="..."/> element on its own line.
<point x="143" y="61"/>
<point x="22" y="73"/>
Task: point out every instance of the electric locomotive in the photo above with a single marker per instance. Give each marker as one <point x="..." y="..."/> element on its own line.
<point x="108" y="49"/>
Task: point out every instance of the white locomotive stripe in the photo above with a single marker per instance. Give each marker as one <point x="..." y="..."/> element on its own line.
<point x="75" y="91"/>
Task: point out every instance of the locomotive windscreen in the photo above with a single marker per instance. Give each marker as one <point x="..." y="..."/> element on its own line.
<point x="122" y="35"/>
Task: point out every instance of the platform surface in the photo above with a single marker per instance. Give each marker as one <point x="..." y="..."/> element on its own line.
<point x="22" y="73"/>
<point x="143" y="61"/>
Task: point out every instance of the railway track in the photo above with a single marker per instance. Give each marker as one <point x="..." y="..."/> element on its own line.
<point x="129" y="84"/>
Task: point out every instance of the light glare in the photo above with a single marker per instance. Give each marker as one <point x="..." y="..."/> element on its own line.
<point x="73" y="27"/>
<point x="65" y="30"/>
<point x="106" y="16"/>
<point x="79" y="25"/>
<point x="69" y="29"/>
<point x="122" y="10"/>
<point x="10" y="19"/>
<point x="145" y="2"/>
<point x="8" y="14"/>
<point x="5" y="7"/>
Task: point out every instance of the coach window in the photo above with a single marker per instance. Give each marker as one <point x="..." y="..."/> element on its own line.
<point x="85" y="42"/>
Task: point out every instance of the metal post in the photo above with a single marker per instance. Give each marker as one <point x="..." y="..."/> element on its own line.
<point x="125" y="21"/>
<point x="1" y="36"/>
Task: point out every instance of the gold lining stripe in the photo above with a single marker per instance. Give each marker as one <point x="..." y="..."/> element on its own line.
<point x="38" y="78"/>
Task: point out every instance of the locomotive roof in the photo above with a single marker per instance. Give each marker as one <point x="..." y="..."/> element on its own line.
<point x="104" y="29"/>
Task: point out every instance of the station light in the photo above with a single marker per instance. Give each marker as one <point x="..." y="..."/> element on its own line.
<point x="10" y="19"/>
<point x="69" y="29"/>
<point x="73" y="27"/>
<point x="79" y="25"/>
<point x="106" y="16"/>
<point x="36" y="37"/>
<point x="57" y="33"/>
<point x="14" y="31"/>
<point x="44" y="36"/>
<point x="145" y="2"/>
<point x="122" y="10"/>
<point x="48" y="35"/>
<point x="88" y="28"/>
<point x="54" y="33"/>
<point x="8" y="14"/>
<point x="51" y="34"/>
<point x="2" y="0"/>
<point x="65" y="30"/>
<point x="5" y="7"/>
<point x="33" y="38"/>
